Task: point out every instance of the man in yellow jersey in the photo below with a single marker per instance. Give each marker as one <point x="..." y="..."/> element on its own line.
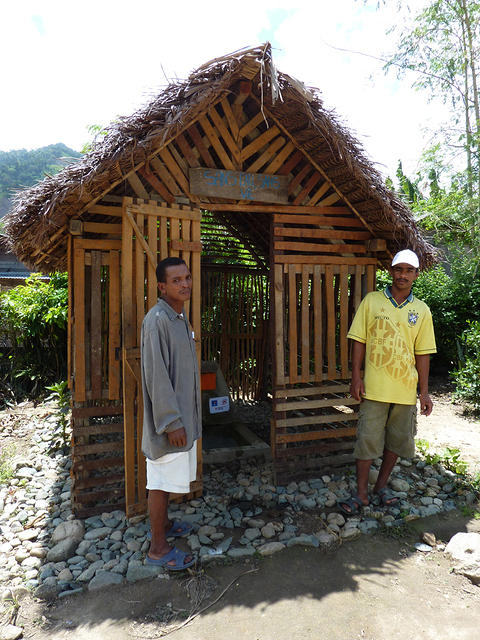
<point x="392" y="333"/>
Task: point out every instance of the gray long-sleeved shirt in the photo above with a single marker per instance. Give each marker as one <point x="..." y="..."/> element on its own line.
<point x="170" y="381"/>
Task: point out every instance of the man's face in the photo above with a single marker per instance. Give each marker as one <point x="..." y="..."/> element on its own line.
<point x="403" y="276"/>
<point x="178" y="284"/>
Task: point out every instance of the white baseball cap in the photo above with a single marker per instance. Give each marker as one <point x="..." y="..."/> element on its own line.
<point x="406" y="256"/>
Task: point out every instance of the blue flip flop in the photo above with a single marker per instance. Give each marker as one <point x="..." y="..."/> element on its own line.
<point x="174" y="554"/>
<point x="177" y="530"/>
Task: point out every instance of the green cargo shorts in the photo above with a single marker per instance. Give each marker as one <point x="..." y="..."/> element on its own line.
<point x="385" y="425"/>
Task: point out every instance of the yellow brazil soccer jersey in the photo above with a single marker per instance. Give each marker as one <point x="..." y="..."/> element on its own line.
<point x="393" y="335"/>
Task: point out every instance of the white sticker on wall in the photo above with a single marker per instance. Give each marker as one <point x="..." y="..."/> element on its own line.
<point x="219" y="405"/>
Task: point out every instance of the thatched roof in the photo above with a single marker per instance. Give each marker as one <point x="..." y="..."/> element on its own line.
<point x="37" y="225"/>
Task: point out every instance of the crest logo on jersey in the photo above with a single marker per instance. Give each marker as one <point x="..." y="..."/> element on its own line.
<point x="412" y="318"/>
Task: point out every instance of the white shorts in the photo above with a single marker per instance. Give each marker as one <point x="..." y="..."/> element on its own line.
<point x="173" y="472"/>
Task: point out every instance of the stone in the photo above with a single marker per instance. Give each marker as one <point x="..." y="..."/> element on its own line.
<point x="336" y="518"/>
<point x="326" y="540"/>
<point x="83" y="547"/>
<point x="32" y="562"/>
<point x="472" y="572"/>
<point x="303" y="540"/>
<point x="238" y="552"/>
<point x="421" y="546"/>
<point x="252" y="533"/>
<point x="350" y="533"/>
<point x="429" y="538"/>
<point x="194" y="542"/>
<point x="141" y="572"/>
<point x="400" y="485"/>
<point x="308" y="503"/>
<point x="117" y="535"/>
<point x="206" y="530"/>
<point x="270" y="548"/>
<point x="368" y="526"/>
<point x="10" y="632"/>
<point x="104" y="579"/>
<point x="87" y="575"/>
<point x="65" y="575"/>
<point x="21" y="554"/>
<point x="25" y="472"/>
<point x="255" y="523"/>
<point x="72" y="529"/>
<point x="98" y="534"/>
<point x="465" y="547"/>
<point x="48" y="590"/>
<point x="268" y="531"/>
<point x="63" y="550"/>
<point x="28" y="534"/>
<point x="224" y="545"/>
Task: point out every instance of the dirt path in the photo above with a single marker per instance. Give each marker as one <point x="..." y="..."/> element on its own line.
<point x="447" y="426"/>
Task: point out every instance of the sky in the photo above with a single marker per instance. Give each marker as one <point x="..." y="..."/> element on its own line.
<point x="68" y="65"/>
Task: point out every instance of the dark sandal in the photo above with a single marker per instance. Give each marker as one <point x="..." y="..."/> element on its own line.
<point x="385" y="498"/>
<point x="351" y="506"/>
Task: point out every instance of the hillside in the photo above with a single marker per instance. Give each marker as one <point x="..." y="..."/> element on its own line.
<point x="21" y="168"/>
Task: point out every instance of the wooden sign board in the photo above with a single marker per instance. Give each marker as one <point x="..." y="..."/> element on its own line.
<point x="238" y="185"/>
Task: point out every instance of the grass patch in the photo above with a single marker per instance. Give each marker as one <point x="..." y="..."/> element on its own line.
<point x="6" y="469"/>
<point x="398" y="532"/>
<point x="448" y="458"/>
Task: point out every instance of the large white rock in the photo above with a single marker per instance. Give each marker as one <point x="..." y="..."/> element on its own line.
<point x="10" y="632"/>
<point x="465" y="547"/>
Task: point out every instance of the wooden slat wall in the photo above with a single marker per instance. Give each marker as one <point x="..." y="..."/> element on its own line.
<point x="97" y="427"/>
<point x="95" y="321"/>
<point x="313" y="312"/>
<point x="312" y="417"/>
<point x="235" y="326"/>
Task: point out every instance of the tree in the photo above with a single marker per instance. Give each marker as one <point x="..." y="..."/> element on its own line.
<point x="442" y="51"/>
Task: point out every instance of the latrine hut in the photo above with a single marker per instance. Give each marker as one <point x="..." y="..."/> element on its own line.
<point x="283" y="221"/>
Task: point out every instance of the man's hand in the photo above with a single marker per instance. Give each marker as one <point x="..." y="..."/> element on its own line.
<point x="177" y="438"/>
<point x="426" y="404"/>
<point x="357" y="389"/>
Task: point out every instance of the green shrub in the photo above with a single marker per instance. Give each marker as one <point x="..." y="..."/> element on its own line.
<point x="467" y="377"/>
<point x="33" y="335"/>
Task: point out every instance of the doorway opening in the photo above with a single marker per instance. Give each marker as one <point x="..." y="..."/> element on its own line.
<point x="235" y="315"/>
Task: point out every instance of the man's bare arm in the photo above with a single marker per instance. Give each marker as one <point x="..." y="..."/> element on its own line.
<point x="357" y="388"/>
<point x="422" y="363"/>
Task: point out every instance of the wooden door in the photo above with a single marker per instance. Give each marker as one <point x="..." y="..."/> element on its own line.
<point x="150" y="233"/>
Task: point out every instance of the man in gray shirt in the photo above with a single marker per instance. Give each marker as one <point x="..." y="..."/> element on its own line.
<point x="172" y="409"/>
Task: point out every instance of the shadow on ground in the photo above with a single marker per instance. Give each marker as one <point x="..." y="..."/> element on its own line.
<point x="375" y="587"/>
